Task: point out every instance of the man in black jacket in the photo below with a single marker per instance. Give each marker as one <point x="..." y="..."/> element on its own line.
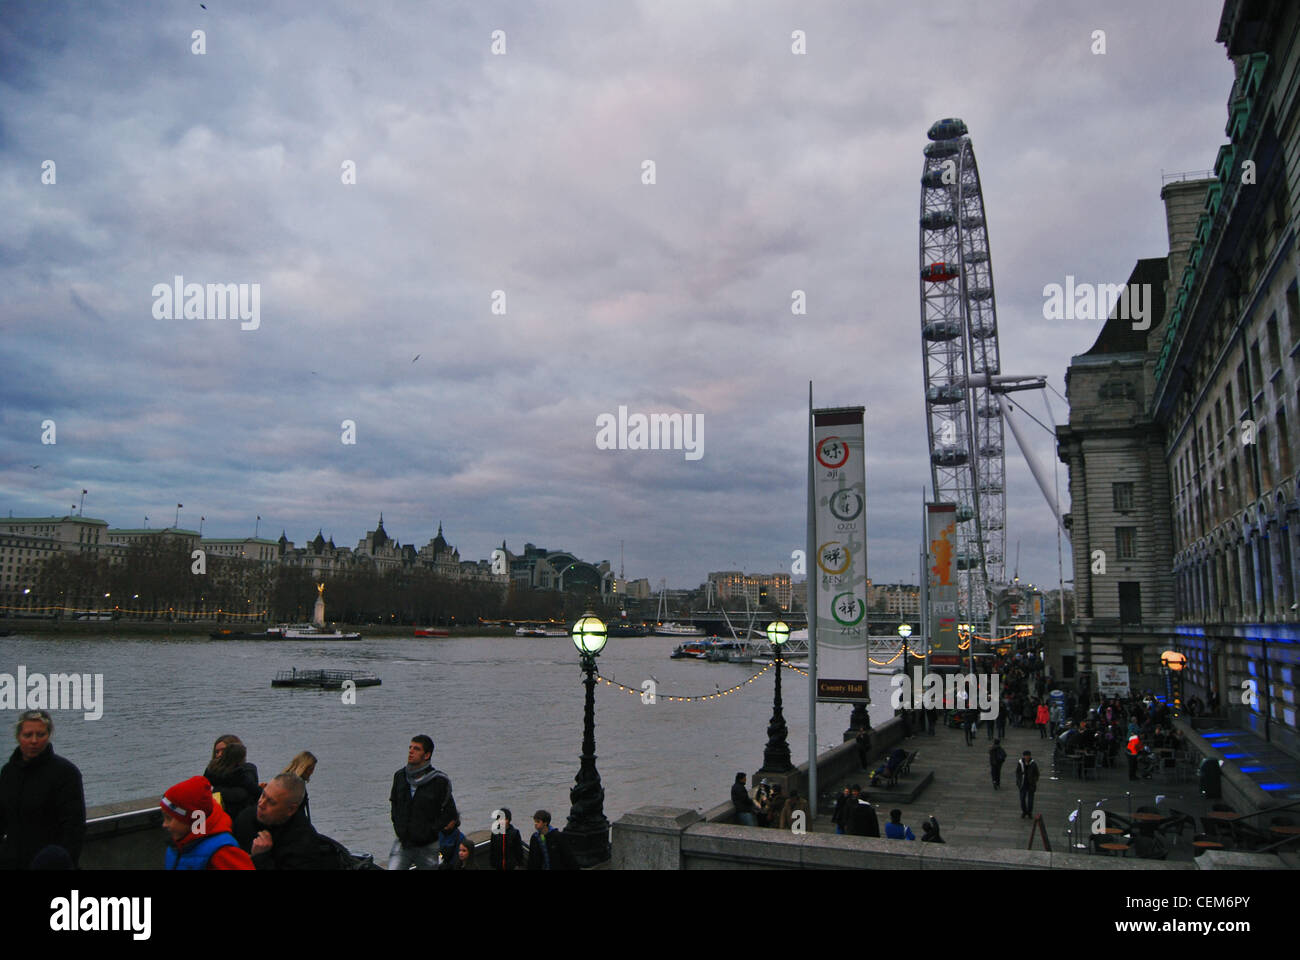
<point x="746" y="811"/>
<point x="862" y="820"/>
<point x="41" y="799"/>
<point x="1027" y="782"/>
<point x="277" y="832"/>
<point x="422" y="805"/>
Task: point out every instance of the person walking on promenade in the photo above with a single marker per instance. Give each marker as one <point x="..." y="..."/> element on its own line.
<point x="969" y="718"/>
<point x="746" y="810"/>
<point x="997" y="757"/>
<point x="1002" y="722"/>
<point x="1042" y="716"/>
<point x="895" y="829"/>
<point x="506" y="846"/>
<point x="1134" y="749"/>
<point x="42" y="802"/>
<point x="421" y="805"/>
<point x="862" y="816"/>
<point x="548" y="850"/>
<point x="199" y="832"/>
<point x="841" y="806"/>
<point x="793" y="804"/>
<point x="863" y="741"/>
<point x="1027" y="783"/>
<point x="232" y="776"/>
<point x="276" y="832"/>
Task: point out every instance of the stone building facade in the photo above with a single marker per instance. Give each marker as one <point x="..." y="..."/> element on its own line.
<point x="1201" y="418"/>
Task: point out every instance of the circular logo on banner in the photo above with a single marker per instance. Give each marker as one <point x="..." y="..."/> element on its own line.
<point x="846" y="504"/>
<point x="833" y="557"/>
<point x="848" y="609"/>
<point x="832" y="452"/>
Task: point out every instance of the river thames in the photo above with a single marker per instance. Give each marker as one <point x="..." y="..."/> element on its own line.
<point x="505" y="714"/>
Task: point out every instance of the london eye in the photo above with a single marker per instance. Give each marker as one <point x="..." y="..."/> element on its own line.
<point x="959" y="343"/>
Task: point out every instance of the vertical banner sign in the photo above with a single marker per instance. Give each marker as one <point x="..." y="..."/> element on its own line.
<point x="840" y="495"/>
<point x="941" y="535"/>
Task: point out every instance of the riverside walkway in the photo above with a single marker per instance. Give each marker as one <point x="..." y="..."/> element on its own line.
<point x="971" y="813"/>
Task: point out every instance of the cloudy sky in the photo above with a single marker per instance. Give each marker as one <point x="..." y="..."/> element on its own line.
<point x="522" y="172"/>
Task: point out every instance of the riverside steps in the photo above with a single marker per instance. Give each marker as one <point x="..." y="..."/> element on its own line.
<point x="982" y="827"/>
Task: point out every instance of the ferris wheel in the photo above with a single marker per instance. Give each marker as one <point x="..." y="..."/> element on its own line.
<point x="959" y="344"/>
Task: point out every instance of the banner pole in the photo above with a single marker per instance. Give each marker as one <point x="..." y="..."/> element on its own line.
<point x="810" y="565"/>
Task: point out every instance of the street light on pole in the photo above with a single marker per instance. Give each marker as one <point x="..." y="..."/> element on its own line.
<point x="904" y="631"/>
<point x="776" y="755"/>
<point x="588" y="830"/>
<point x="1173" y="662"/>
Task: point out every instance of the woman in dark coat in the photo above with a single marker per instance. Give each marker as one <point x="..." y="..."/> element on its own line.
<point x="42" y="803"/>
<point x="232" y="776"/>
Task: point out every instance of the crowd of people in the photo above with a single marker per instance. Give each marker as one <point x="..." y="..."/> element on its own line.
<point x="228" y="819"/>
<point x="855" y="816"/>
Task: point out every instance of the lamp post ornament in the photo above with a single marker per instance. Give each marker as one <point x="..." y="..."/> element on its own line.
<point x="776" y="755"/>
<point x="588" y="829"/>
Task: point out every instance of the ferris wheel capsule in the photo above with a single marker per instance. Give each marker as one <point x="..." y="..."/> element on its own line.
<point x="939" y="272"/>
<point x="947" y="129"/>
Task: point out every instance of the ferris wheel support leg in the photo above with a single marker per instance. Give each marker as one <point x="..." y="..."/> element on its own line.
<point x="1035" y="467"/>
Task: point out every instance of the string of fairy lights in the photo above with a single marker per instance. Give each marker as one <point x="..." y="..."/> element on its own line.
<point x="719" y="694"/>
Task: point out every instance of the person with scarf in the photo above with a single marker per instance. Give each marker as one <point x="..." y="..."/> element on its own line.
<point x="233" y="778"/>
<point x="422" y="805"/>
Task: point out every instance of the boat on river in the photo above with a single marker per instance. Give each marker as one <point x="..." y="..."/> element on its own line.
<point x="692" y="650"/>
<point x="674" y="629"/>
<point x="309" y="631"/>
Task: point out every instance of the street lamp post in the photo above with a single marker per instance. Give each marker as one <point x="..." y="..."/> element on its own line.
<point x="1173" y="662"/>
<point x="588" y="830"/>
<point x="776" y="755"/>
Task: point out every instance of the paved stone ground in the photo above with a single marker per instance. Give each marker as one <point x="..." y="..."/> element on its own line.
<point x="1274" y="771"/>
<point x="971" y="812"/>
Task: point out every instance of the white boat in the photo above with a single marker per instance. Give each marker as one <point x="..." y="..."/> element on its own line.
<point x="734" y="651"/>
<point x="540" y="632"/>
<point x="310" y="631"/>
<point x="674" y="629"/>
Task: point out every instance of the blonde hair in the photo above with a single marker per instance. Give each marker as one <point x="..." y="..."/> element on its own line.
<point x="301" y="763"/>
<point x="34" y="716"/>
